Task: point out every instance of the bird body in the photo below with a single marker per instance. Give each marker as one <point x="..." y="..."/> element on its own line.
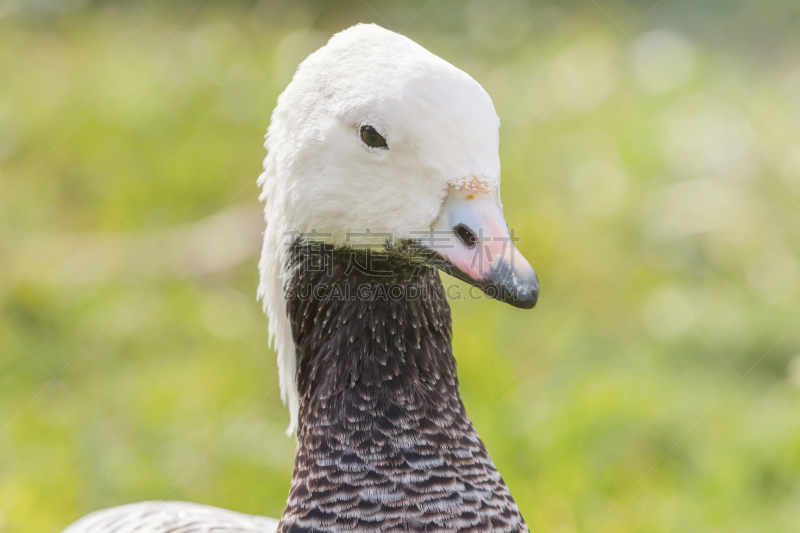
<point x="382" y="167"/>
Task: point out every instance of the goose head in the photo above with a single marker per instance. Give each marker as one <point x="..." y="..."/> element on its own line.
<point x="377" y="141"/>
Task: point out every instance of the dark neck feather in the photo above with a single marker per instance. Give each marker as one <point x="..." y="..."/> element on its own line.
<point x="363" y="322"/>
<point x="384" y="443"/>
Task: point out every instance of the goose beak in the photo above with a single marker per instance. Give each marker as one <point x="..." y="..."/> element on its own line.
<point x="471" y="241"/>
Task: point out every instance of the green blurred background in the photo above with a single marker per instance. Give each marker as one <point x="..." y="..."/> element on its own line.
<point x="651" y="165"/>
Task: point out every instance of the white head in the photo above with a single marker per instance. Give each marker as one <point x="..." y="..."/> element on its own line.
<point x="433" y="165"/>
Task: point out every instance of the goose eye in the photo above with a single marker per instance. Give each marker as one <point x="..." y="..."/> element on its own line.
<point x="372" y="138"/>
<point x="466" y="236"/>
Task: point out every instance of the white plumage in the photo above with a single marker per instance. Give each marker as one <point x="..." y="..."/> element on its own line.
<point x="441" y="126"/>
<point x="171" y="517"/>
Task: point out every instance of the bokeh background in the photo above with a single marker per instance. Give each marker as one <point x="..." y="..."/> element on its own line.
<point x="651" y="166"/>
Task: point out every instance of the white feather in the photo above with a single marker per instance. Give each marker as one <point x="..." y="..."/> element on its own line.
<point x="170" y="517"/>
<point x="440" y="126"/>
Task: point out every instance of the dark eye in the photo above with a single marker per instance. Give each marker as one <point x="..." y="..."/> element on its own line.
<point x="372" y="138"/>
<point x="466" y="235"/>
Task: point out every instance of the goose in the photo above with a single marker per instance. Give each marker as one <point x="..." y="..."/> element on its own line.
<point x="382" y="169"/>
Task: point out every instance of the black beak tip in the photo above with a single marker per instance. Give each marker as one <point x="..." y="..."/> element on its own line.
<point x="522" y="297"/>
<point x="525" y="302"/>
<point x="522" y="293"/>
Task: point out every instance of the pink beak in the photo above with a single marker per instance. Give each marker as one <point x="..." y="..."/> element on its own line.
<point x="471" y="241"/>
